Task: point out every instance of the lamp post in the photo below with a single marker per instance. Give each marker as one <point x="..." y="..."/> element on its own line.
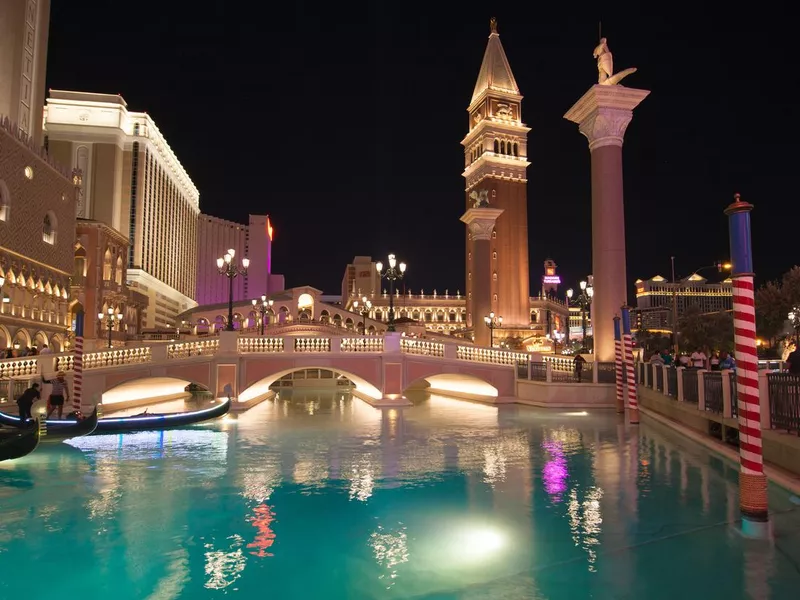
<point x="394" y="273"/>
<point x="366" y="306"/>
<point x="264" y="307"/>
<point x="228" y="267"/>
<point x="584" y="300"/>
<point x="492" y="323"/>
<point x="110" y="318"/>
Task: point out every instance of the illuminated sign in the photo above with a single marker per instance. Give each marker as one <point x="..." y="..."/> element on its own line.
<point x="551" y="279"/>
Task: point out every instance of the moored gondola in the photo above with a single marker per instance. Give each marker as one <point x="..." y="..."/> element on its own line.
<point x="16" y="442"/>
<point x="154" y="421"/>
<point x="58" y="430"/>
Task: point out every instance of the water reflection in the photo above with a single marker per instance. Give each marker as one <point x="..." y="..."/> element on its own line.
<point x="440" y="498"/>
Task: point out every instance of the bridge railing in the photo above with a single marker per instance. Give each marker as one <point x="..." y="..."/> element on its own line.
<point x="179" y="350"/>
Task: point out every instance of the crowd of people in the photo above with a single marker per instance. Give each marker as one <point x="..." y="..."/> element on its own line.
<point x="25" y="351"/>
<point x="713" y="361"/>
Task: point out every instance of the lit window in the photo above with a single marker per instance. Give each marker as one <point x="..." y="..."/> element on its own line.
<point x="49" y="228"/>
<point x="494" y="276"/>
<point x="5" y="201"/>
<point x="494" y="235"/>
<point x="494" y="255"/>
<point x="29" y="172"/>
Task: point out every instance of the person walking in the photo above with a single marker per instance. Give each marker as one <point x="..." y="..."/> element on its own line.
<point x="26" y="400"/>
<point x="58" y="395"/>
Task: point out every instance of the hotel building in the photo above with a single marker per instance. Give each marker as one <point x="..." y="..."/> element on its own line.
<point x="654" y="298"/>
<point x="254" y="241"/>
<point x="134" y="183"/>
<point x="24" y="27"/>
<point x="37" y="229"/>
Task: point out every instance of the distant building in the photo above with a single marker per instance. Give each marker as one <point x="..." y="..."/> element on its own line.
<point x="654" y="300"/>
<point x="361" y="278"/>
<point x="24" y="28"/>
<point x="37" y="229"/>
<point x="254" y="241"/>
<point x="133" y="182"/>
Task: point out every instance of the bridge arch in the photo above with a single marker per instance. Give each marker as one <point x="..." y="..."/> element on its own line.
<point x="459" y="384"/>
<point x="145" y="390"/>
<point x="261" y="385"/>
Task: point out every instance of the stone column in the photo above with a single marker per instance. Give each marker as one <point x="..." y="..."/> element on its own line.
<point x="481" y="222"/>
<point x="602" y="115"/>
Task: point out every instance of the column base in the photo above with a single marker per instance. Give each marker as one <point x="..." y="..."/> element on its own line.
<point x="753" y="500"/>
<point x="620" y="405"/>
<point x="634" y="416"/>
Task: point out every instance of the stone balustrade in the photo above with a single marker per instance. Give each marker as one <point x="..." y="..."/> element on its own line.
<point x="491" y="356"/>
<point x="19" y="367"/>
<point x="362" y="344"/>
<point x="188" y="349"/>
<point x="260" y="345"/>
<point x="422" y="347"/>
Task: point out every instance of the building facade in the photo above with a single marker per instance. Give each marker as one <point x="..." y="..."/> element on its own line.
<point x="24" y="28"/>
<point x="214" y="238"/>
<point x="495" y="152"/>
<point x="99" y="283"/>
<point x="360" y="278"/>
<point x="37" y="227"/>
<point x="655" y="297"/>
<point x="133" y="182"/>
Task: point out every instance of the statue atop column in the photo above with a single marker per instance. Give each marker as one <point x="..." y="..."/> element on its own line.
<point x="605" y="65"/>
<point x="480" y="199"/>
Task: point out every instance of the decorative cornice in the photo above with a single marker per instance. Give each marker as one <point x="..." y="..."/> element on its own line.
<point x="604" y="112"/>
<point x="606" y="127"/>
<point x="481" y="221"/>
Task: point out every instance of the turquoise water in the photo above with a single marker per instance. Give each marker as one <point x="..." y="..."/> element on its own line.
<point x="320" y="496"/>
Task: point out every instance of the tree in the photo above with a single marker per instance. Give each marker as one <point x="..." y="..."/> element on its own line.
<point x="772" y="306"/>
<point x="705" y="330"/>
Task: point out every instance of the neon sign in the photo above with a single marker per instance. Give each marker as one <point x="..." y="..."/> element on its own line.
<point x="551" y="279"/>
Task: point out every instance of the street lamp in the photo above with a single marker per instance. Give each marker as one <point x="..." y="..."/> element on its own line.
<point x="584" y="300"/>
<point x="394" y="273"/>
<point x="264" y="307"/>
<point x="228" y="267"/>
<point x="366" y="306"/>
<point x="492" y="323"/>
<point x="110" y="319"/>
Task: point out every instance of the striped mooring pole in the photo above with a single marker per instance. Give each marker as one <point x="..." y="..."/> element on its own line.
<point x="618" y="367"/>
<point x="753" y="501"/>
<point x="630" y="374"/>
<point x="77" y="364"/>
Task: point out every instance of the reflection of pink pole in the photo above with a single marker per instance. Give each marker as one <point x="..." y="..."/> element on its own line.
<point x="618" y="366"/>
<point x="627" y="341"/>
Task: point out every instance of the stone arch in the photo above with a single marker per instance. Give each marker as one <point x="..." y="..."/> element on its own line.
<point x="138" y="391"/>
<point x="40" y="339"/>
<point x="202" y="325"/>
<point x="463" y="385"/>
<point x="337" y="320"/>
<point x="5" y="337"/>
<point x="22" y="337"/>
<point x="238" y="321"/>
<point x="260" y="383"/>
<point x="283" y="315"/>
<point x="348" y="323"/>
<point x="324" y="317"/>
<point x="107" y="265"/>
<point x="219" y="322"/>
<point x="371" y="330"/>
<point x="118" y="271"/>
<point x="57" y="343"/>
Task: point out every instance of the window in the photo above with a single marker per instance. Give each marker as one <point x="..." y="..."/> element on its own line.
<point x="496" y="147"/>
<point x="5" y="201"/>
<point x="494" y="235"/>
<point x="494" y="276"/>
<point x="118" y="271"/>
<point x="49" y="228"/>
<point x="107" y="265"/>
<point x="494" y="255"/>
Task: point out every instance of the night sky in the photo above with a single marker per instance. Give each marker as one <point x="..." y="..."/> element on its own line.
<point x="343" y="121"/>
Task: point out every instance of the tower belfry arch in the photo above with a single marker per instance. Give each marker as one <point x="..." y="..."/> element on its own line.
<point x="495" y="153"/>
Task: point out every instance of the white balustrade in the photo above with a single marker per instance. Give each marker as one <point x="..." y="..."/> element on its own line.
<point x="65" y="362"/>
<point x="491" y="356"/>
<point x="198" y="348"/>
<point x="312" y="344"/>
<point x="362" y="344"/>
<point x="117" y="358"/>
<point x="422" y="347"/>
<point x="566" y="365"/>
<point x="261" y="345"/>
<point x="19" y="367"/>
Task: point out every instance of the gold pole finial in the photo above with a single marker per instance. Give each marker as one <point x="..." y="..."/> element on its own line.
<point x="493" y="25"/>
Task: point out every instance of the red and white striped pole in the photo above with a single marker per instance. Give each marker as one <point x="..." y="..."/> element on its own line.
<point x="618" y="367"/>
<point x="630" y="375"/>
<point x="77" y="365"/>
<point x="753" y="501"/>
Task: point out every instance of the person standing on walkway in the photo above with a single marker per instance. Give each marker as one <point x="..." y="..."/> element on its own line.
<point x="26" y="400"/>
<point x="58" y="395"/>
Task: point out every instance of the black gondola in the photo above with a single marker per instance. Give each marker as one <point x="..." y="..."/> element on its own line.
<point x="16" y="442"/>
<point x="58" y="430"/>
<point x="148" y="421"/>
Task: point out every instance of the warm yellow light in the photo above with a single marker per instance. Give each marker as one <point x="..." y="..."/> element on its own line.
<point x="245" y="263"/>
<point x="220" y="262"/>
<point x="727" y="266"/>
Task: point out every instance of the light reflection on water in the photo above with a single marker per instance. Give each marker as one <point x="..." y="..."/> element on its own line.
<point x="316" y="495"/>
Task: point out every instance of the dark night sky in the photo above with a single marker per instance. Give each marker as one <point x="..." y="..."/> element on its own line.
<point x="343" y="122"/>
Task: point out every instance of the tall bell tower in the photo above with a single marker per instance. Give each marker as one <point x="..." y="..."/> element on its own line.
<point x="495" y="153"/>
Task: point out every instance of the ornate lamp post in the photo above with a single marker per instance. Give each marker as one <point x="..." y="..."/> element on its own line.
<point x="108" y="320"/>
<point x="366" y="306"/>
<point x="264" y="307"/>
<point x="492" y="323"/>
<point x="392" y="274"/>
<point x="228" y="267"/>
<point x="584" y="300"/>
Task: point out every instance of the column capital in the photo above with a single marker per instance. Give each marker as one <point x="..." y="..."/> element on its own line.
<point x="604" y="112"/>
<point x="481" y="221"/>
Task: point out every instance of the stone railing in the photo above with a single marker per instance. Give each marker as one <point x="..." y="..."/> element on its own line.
<point x="362" y="344"/>
<point x="260" y="345"/>
<point x="491" y="356"/>
<point x="312" y="344"/>
<point x="422" y="347"/>
<point x="19" y="367"/>
<point x="188" y="349"/>
<point x="560" y="364"/>
<point x="117" y="358"/>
